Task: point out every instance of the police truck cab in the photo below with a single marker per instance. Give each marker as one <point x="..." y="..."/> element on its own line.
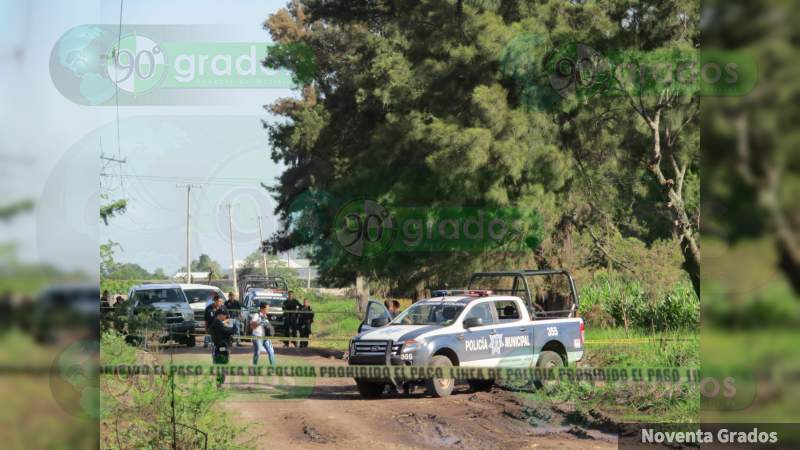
<point x="501" y="327"/>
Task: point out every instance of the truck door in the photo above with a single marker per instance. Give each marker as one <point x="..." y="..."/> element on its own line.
<point x="516" y="334"/>
<point x="375" y="310"/>
<point x="480" y="344"/>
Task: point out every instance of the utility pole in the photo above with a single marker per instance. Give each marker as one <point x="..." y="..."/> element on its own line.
<point x="233" y="259"/>
<point x="188" y="229"/>
<point x="263" y="250"/>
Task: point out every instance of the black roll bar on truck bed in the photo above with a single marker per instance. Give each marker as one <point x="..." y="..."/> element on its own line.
<point x="522" y="287"/>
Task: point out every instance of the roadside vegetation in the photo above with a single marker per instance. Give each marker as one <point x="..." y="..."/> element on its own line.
<point x="137" y="411"/>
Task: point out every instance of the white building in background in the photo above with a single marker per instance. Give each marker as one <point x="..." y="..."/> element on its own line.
<point x="196" y="276"/>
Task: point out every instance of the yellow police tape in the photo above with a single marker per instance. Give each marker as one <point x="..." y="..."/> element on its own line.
<point x="346" y="339"/>
<point x="636" y="340"/>
<point x="566" y="374"/>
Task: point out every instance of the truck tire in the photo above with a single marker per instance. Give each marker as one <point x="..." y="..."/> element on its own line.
<point x="369" y="389"/>
<point x="440" y="387"/>
<point x="190" y="340"/>
<point x="548" y="360"/>
<point x="481" y="385"/>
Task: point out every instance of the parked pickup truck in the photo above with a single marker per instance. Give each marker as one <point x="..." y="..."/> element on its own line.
<point x="172" y="302"/>
<point x="471" y="327"/>
<point x="270" y="290"/>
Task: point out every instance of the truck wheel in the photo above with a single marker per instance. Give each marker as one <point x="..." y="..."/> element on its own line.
<point x="548" y="360"/>
<point x="369" y="389"/>
<point x="440" y="387"/>
<point x="190" y="340"/>
<point x="481" y="385"/>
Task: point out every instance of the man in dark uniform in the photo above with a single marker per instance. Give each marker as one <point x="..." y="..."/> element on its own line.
<point x="234" y="308"/>
<point x="306" y="319"/>
<point x="209" y="315"/>
<point x="290" y="317"/>
<point x="221" y="332"/>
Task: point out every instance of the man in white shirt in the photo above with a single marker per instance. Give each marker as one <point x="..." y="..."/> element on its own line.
<point x="261" y="328"/>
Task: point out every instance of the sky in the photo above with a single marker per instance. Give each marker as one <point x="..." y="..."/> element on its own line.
<point x="50" y="145"/>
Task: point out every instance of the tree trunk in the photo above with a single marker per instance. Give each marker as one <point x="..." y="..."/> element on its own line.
<point x="419" y="292"/>
<point x="362" y="293"/>
<point x="673" y="190"/>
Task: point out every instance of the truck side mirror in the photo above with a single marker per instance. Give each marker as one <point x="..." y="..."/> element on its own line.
<point x="379" y="322"/>
<point x="472" y="322"/>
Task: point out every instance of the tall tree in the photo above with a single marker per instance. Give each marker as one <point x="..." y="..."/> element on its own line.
<point x="751" y="158"/>
<point x="431" y="103"/>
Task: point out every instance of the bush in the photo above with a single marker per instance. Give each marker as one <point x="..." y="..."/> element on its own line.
<point x="627" y="303"/>
<point x="137" y="410"/>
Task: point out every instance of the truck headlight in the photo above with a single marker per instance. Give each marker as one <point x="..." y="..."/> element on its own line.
<point x="409" y="346"/>
<point x="188" y="315"/>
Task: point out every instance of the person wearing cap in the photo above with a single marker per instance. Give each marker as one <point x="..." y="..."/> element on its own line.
<point x="209" y="315"/>
<point x="306" y="319"/>
<point x="234" y="308"/>
<point x="290" y="318"/>
<point x="221" y="332"/>
<point x="261" y="328"/>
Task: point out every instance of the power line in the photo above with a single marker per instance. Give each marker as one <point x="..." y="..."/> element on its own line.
<point x="196" y="180"/>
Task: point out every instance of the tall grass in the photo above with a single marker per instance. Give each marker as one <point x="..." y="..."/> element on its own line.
<point x="334" y="318"/>
<point x="612" y="300"/>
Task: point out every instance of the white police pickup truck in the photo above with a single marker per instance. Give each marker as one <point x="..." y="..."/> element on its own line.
<point x="501" y="327"/>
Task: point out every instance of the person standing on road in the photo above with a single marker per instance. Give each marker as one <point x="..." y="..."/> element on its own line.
<point x="290" y="317"/>
<point x="209" y="315"/>
<point x="306" y="319"/>
<point x="261" y="328"/>
<point x="234" y="308"/>
<point x="221" y="332"/>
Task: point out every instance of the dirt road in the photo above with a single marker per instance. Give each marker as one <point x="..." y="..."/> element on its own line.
<point x="331" y="415"/>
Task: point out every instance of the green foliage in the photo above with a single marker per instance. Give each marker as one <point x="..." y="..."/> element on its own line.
<point x="110" y="268"/>
<point x="142" y="411"/>
<point x="115" y="350"/>
<point x="751" y="193"/>
<point x="118" y="287"/>
<point x="336" y="318"/>
<point x="662" y="402"/>
<point x="254" y="265"/>
<point x="204" y="263"/>
<point x="296" y="55"/>
<point x="628" y="304"/>
<point x="7" y="212"/>
<point x="109" y="210"/>
<point x="430" y="105"/>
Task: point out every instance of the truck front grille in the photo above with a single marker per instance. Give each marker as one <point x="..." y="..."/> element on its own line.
<point x="174" y="318"/>
<point x="370" y="347"/>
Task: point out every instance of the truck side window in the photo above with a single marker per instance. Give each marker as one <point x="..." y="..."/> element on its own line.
<point x="375" y="312"/>
<point x="507" y="310"/>
<point x="482" y="310"/>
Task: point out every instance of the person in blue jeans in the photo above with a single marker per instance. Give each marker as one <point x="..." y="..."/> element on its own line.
<point x="261" y="328"/>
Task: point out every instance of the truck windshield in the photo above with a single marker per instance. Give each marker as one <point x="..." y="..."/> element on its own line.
<point x="271" y="302"/>
<point x="429" y="314"/>
<point x="150" y="296"/>
<point x="201" y="295"/>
